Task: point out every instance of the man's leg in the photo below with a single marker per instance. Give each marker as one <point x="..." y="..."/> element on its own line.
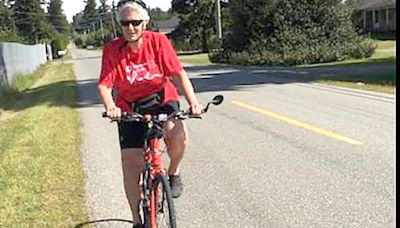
<point x="132" y="165"/>
<point x="176" y="139"/>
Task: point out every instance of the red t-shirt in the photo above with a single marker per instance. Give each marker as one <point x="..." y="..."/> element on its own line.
<point x="137" y="74"/>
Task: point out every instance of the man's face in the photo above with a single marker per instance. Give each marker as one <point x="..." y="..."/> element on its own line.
<point x="132" y="25"/>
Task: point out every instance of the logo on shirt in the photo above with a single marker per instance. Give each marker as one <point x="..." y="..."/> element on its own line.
<point x="137" y="73"/>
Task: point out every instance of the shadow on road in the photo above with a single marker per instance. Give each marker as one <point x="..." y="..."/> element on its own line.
<point x="104" y="221"/>
<point x="225" y="78"/>
<point x="204" y="78"/>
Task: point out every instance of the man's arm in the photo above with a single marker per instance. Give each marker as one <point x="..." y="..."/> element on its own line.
<point x="105" y="95"/>
<point x="186" y="86"/>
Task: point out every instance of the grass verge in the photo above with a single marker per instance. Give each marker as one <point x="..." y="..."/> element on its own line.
<point x="384" y="53"/>
<point x="42" y="181"/>
<point x="376" y="82"/>
<point x="196" y="59"/>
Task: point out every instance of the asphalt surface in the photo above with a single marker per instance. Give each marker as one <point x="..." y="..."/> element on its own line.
<point x="270" y="156"/>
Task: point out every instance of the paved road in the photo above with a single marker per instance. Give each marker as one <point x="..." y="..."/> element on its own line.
<point x="276" y="153"/>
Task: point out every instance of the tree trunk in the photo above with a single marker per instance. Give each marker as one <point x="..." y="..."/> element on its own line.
<point x="204" y="41"/>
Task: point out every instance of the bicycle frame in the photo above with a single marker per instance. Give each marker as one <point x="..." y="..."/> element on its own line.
<point x="153" y="166"/>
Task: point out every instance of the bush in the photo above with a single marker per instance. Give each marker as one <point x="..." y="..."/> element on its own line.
<point x="362" y="49"/>
<point x="90" y="42"/>
<point x="186" y="44"/>
<point x="291" y="32"/>
<point x="9" y="36"/>
<point x="219" y="57"/>
<point x="58" y="44"/>
<point x="78" y="42"/>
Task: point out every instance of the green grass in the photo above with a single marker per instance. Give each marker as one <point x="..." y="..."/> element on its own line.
<point x="22" y="82"/>
<point x="382" y="54"/>
<point x="41" y="182"/>
<point x="378" y="82"/>
<point x="195" y="59"/>
<point x="386" y="44"/>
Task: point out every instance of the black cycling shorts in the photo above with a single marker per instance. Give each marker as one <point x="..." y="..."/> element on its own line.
<point x="132" y="134"/>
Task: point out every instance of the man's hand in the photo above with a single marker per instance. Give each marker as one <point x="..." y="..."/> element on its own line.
<point x="113" y="112"/>
<point x="196" y="109"/>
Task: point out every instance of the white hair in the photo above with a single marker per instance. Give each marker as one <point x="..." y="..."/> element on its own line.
<point x="135" y="7"/>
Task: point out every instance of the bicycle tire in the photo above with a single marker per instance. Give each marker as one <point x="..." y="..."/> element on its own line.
<point x="162" y="203"/>
<point x="145" y="203"/>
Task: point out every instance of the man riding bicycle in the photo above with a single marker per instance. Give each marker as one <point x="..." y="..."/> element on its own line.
<point x="139" y="66"/>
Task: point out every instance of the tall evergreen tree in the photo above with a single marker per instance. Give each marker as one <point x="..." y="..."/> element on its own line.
<point x="90" y="13"/>
<point x="31" y="22"/>
<point x="197" y="21"/>
<point x="56" y="17"/>
<point x="158" y="14"/>
<point x="104" y="8"/>
<point x="106" y="19"/>
<point x="77" y="22"/>
<point x="8" y="30"/>
<point x="6" y="22"/>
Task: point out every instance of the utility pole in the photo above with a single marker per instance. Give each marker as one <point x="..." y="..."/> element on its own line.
<point x="101" y="27"/>
<point x="219" y="24"/>
<point x="113" y="23"/>
<point x="94" y="29"/>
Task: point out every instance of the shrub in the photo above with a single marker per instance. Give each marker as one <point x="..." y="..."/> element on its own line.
<point x="58" y="44"/>
<point x="292" y="32"/>
<point x="78" y="42"/>
<point x="362" y="49"/>
<point x="91" y="42"/>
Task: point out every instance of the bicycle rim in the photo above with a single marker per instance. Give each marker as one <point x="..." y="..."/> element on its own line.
<point x="145" y="203"/>
<point x="163" y="203"/>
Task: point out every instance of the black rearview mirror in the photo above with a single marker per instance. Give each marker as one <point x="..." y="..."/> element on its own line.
<point x="217" y="100"/>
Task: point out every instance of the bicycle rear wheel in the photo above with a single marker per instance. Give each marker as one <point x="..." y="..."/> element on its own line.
<point x="162" y="204"/>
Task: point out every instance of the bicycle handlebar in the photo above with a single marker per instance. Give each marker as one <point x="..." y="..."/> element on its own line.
<point x="158" y="118"/>
<point x="136" y="117"/>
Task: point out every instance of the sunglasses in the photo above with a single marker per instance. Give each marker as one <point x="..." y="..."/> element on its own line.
<point x="134" y="23"/>
<point x="139" y="2"/>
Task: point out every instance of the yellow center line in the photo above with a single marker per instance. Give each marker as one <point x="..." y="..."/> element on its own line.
<point x="298" y="123"/>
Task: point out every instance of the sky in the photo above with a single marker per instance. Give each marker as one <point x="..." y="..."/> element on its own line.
<point x="72" y="7"/>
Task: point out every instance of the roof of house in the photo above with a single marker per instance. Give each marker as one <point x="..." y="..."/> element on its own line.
<point x="166" y="26"/>
<point x="375" y="4"/>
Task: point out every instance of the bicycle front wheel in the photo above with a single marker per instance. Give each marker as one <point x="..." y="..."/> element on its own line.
<point x="161" y="204"/>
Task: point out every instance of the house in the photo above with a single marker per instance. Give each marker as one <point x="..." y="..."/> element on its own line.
<point x="166" y="26"/>
<point x="376" y="16"/>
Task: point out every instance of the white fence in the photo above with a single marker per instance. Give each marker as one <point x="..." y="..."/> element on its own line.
<point x="18" y="58"/>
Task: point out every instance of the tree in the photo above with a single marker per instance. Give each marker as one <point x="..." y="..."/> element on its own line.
<point x="107" y="20"/>
<point x="90" y="13"/>
<point x="77" y="21"/>
<point x="57" y="18"/>
<point x="293" y="31"/>
<point x="158" y="14"/>
<point x="251" y="21"/>
<point x="31" y="22"/>
<point x="104" y="8"/>
<point x="6" y="23"/>
<point x="197" y="21"/>
<point x="8" y="30"/>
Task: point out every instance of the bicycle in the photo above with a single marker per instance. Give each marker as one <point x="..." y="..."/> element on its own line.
<point x="157" y="204"/>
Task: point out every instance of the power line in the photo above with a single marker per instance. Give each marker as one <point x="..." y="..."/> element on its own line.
<point x="35" y="14"/>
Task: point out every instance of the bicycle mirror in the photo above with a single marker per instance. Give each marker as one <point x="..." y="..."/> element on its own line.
<point x="217" y="100"/>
